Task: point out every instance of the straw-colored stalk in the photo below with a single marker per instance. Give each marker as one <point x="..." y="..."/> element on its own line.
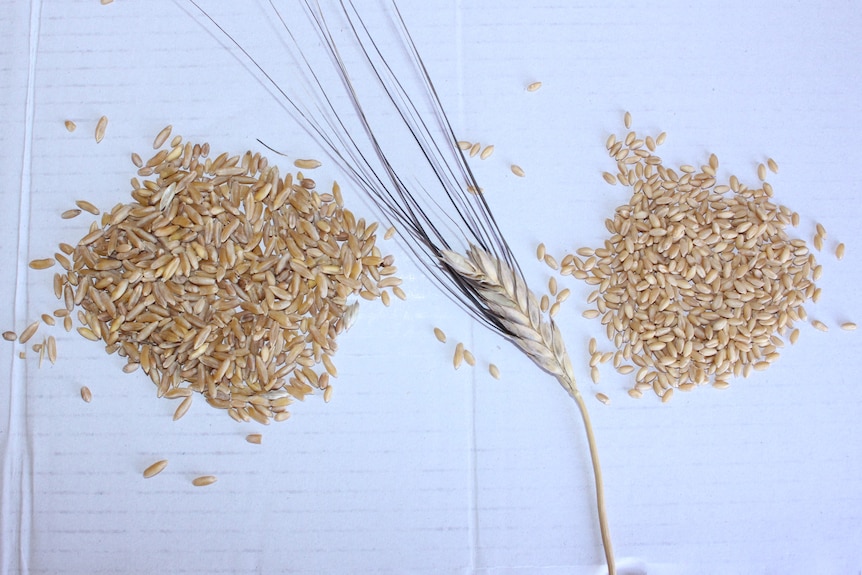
<point x="508" y="297"/>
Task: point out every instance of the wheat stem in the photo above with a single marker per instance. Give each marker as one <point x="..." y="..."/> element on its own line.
<point x="597" y="473"/>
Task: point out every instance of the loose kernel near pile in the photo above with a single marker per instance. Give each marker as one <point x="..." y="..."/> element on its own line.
<point x="698" y="281"/>
<point x="223" y="278"/>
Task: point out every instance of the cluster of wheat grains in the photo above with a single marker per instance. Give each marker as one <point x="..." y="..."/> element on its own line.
<point x="699" y="281"/>
<point x="225" y="279"/>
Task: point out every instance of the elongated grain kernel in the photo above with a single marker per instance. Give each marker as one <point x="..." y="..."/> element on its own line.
<point x="42" y="264"/>
<point x="591" y="314"/>
<point x="839" y="251"/>
<point x="533" y="86"/>
<point x="101" y="127"/>
<point x="384" y="297"/>
<point x="86" y="394"/>
<point x="603" y="398"/>
<point x="625" y="369"/>
<point x="390" y="233"/>
<point x="848" y="326"/>
<point x="155" y="468"/>
<point x="465" y="145"/>
<point x="761" y="172"/>
<point x="635" y="393"/>
<point x="609" y="178"/>
<point x="10" y="335"/>
<point x="817" y="324"/>
<point x="667" y="395"/>
<point x="255" y="438"/>
<point x="440" y="335"/>
<point x="486" y="153"/>
<point x="821" y="231"/>
<point x="52" y="349"/>
<point x="137" y="161"/>
<point x="594" y="374"/>
<point x="458" y="357"/>
<point x="70" y="125"/>
<point x="327" y="394"/>
<point x="28" y="332"/>
<point x="627" y="120"/>
<point x="593" y="346"/>
<point x="773" y="166"/>
<point x="469" y="358"/>
<point x="69" y="214"/>
<point x="474" y="149"/>
<point x="307" y="164"/>
<point x="494" y="371"/>
<point x="204" y="480"/>
<point x="162" y="137"/>
<point x="540" y="252"/>
<point x="184" y="405"/>
<point x="87" y="207"/>
<point x="517" y="170"/>
<point x="794" y="336"/>
<point x="818" y="242"/>
<point x="399" y="293"/>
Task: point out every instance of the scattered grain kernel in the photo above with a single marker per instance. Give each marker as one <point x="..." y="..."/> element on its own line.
<point x="162" y="137"/>
<point x="594" y="374"/>
<point x="591" y="314"/>
<point x="821" y="231"/>
<point x="609" y="178"/>
<point x="155" y="468"/>
<point x="848" y="326"/>
<point x="603" y="398"/>
<point x="839" y="251"/>
<point x="817" y="324"/>
<point x="773" y="166"/>
<point x="465" y="145"/>
<point x="627" y="120"/>
<point x="517" y="170"/>
<point x="307" y="164"/>
<point x="469" y="358"/>
<point x="42" y="264"/>
<point x="458" y="358"/>
<point x="204" y="480"/>
<point x="69" y="214"/>
<point x="625" y="369"/>
<point x="635" y="393"/>
<point x="440" y="335"/>
<point x="533" y="86"/>
<point x="486" y="153"/>
<point x="87" y="207"/>
<point x="390" y="233"/>
<point x="70" y="125"/>
<point x="494" y="371"/>
<point x="540" y="252"/>
<point x="255" y="438"/>
<point x="101" y="126"/>
<point x="28" y="332"/>
<point x="667" y="395"/>
<point x="86" y="394"/>
<point x="327" y="394"/>
<point x="474" y="149"/>
<point x="10" y="335"/>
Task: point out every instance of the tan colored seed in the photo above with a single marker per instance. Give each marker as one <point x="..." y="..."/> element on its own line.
<point x="390" y="233"/>
<point x="625" y="369"/>
<point x="591" y="314"/>
<point x="399" y="293"/>
<point x="494" y="371"/>
<point x="87" y="207"/>
<point x="660" y="139"/>
<point x="204" y="480"/>
<point x="329" y="366"/>
<point x="465" y="145"/>
<point x="486" y="153"/>
<point x="839" y="251"/>
<point x="458" y="358"/>
<point x="69" y="214"/>
<point x="162" y="137"/>
<point x="773" y="166"/>
<point x="817" y="324"/>
<point x="533" y="86"/>
<point x="101" y="126"/>
<point x="848" y="326"/>
<point x="667" y="395"/>
<point x="42" y="264"/>
<point x="137" y="161"/>
<point x="384" y="297"/>
<point x="155" y="468"/>
<point x="761" y="172"/>
<point x="603" y="398"/>
<point x="255" y="438"/>
<point x="10" y="335"/>
<point x="52" y="349"/>
<point x="440" y="335"/>
<point x="627" y="120"/>
<point x="307" y="164"/>
<point x="794" y="336"/>
<point x="469" y="358"/>
<point x="70" y="125"/>
<point x="517" y="170"/>
<point x="474" y="149"/>
<point x="28" y="332"/>
<point x="551" y="262"/>
<point x="821" y="231"/>
<point x="609" y="178"/>
<point x="540" y="251"/>
<point x="635" y="393"/>
<point x="593" y="346"/>
<point x="184" y="405"/>
<point x="594" y="374"/>
<point x="327" y="394"/>
<point x="47" y="319"/>
<point x="86" y="394"/>
<point x="818" y="242"/>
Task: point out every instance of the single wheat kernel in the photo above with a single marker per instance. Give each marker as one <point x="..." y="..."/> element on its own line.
<point x="594" y="374"/>
<point x="155" y="468"/>
<point x="609" y="178"/>
<point x="517" y="170"/>
<point x="817" y="324"/>
<point x="540" y="252"/>
<point x="204" y="480"/>
<point x="627" y="120"/>
<point x="440" y="335"/>
<point x="87" y="207"/>
<point x="469" y="358"/>
<point x="47" y="319"/>
<point x="307" y="164"/>
<point x="10" y="335"/>
<point x="69" y="214"/>
<point x="603" y="398"/>
<point x="533" y="86"/>
<point x="390" y="233"/>
<point x="86" y="394"/>
<point x="839" y="251"/>
<point x="184" y="405"/>
<point x="554" y="309"/>
<point x="635" y="393"/>
<point x="255" y="438"/>
<point x="458" y="358"/>
<point x="593" y="347"/>
<point x="551" y="262"/>
<point x="667" y="395"/>
<point x="486" y="153"/>
<point x="660" y="139"/>
<point x="384" y="297"/>
<point x="625" y="369"/>
<point x="42" y="264"/>
<point x="327" y="394"/>
<point x="818" y="242"/>
<point x="821" y="231"/>
<point x="101" y="126"/>
<point x="591" y="314"/>
<point x="761" y="172"/>
<point x="70" y="125"/>
<point x="28" y="332"/>
<point x="494" y="371"/>
<point x="52" y="349"/>
<point x="848" y="326"/>
<point x="474" y="149"/>
<point x="773" y="166"/>
<point x="465" y="145"/>
<point x="544" y="303"/>
<point x="162" y="137"/>
<point x="399" y="293"/>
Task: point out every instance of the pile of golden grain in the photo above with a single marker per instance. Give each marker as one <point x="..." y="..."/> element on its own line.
<point x="224" y="279"/>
